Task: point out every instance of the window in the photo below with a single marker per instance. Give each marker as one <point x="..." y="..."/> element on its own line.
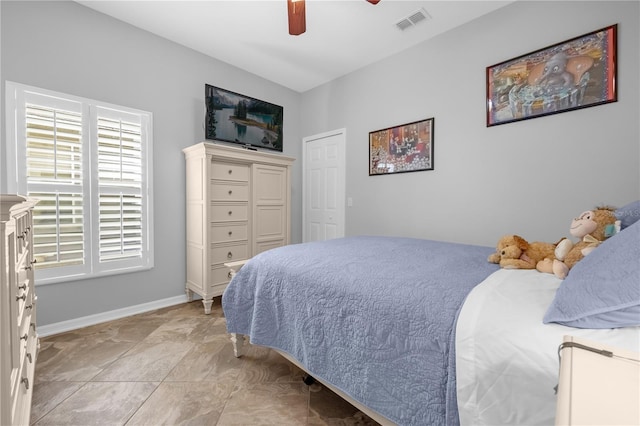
<point x="89" y="164"/>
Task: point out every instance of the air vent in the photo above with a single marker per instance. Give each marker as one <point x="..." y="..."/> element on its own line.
<point x="413" y="19"/>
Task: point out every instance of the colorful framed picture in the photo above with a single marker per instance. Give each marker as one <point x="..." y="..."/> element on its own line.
<point x="400" y="149"/>
<point x="576" y="73"/>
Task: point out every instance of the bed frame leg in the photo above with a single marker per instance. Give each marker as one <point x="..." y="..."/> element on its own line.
<point x="308" y="380"/>
<point x="238" y="344"/>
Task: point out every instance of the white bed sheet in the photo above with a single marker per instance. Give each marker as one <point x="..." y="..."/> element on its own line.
<point x="507" y="359"/>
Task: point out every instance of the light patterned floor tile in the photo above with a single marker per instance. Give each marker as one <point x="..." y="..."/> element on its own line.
<point x="279" y="404"/>
<point x="212" y="361"/>
<point x="145" y="362"/>
<point x="265" y="365"/>
<point x="69" y="361"/>
<point x="48" y="395"/>
<point x="183" y="403"/>
<point x="100" y="404"/>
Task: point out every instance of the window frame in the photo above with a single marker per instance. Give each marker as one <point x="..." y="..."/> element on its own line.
<point x="17" y="96"/>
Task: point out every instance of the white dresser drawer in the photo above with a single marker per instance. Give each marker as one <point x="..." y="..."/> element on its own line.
<point x="22" y="232"/>
<point x="229" y="252"/>
<point x="228" y="232"/>
<point x="229" y="212"/>
<point x="229" y="191"/>
<point x="24" y="317"/>
<point x="220" y="275"/>
<point x="27" y="335"/>
<point x="230" y="171"/>
<point x="23" y="300"/>
<point x="23" y="280"/>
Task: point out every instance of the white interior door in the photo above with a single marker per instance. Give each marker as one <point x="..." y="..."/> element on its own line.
<point x="323" y="194"/>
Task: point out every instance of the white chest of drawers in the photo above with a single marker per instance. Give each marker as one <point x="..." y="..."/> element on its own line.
<point x="238" y="205"/>
<point x="18" y="336"/>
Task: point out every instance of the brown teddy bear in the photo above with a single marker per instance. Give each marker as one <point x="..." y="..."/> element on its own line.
<point x="514" y="252"/>
<point x="591" y="227"/>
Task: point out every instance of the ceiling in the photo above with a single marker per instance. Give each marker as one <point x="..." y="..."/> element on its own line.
<point x="342" y="36"/>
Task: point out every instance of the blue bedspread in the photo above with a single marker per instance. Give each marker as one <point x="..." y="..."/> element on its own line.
<point x="373" y="316"/>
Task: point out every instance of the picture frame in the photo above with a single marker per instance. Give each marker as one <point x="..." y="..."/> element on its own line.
<point x="400" y="149"/>
<point x="577" y="73"/>
<point x="244" y="120"/>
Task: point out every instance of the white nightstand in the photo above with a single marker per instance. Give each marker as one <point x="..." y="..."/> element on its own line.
<point x="599" y="385"/>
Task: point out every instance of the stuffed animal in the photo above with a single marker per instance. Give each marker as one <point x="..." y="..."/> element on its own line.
<point x="591" y="228"/>
<point x="514" y="252"/>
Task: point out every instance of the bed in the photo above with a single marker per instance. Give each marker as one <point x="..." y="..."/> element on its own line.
<point x="417" y="332"/>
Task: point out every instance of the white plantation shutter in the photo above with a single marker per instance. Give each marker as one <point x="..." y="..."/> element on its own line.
<point x="120" y="227"/>
<point x="58" y="224"/>
<point x="120" y="180"/>
<point x="54" y="157"/>
<point x="89" y="165"/>
<point x="54" y="145"/>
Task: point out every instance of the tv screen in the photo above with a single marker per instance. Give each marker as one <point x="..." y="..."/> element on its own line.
<point x="236" y="118"/>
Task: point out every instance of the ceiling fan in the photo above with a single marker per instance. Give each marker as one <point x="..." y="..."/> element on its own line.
<point x="297" y="21"/>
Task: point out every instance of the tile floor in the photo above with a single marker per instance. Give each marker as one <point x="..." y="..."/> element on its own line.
<point x="174" y="366"/>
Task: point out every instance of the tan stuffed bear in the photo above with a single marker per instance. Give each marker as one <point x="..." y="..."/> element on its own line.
<point x="514" y="252"/>
<point x="591" y="227"/>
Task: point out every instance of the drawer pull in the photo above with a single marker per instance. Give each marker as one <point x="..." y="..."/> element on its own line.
<point x="34" y="261"/>
<point x="26" y="268"/>
<point x="22" y="287"/>
<point x="26" y="383"/>
<point x="230" y="192"/>
<point x="230" y="233"/>
<point x="229" y="275"/>
<point x="229" y="255"/>
<point x="25" y="337"/>
<point x="20" y="237"/>
<point x="23" y="297"/>
<point x="230" y="171"/>
<point x="230" y="212"/>
<point x="29" y="306"/>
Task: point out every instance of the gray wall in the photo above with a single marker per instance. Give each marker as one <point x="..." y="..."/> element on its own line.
<point x="61" y="46"/>
<point x="529" y="177"/>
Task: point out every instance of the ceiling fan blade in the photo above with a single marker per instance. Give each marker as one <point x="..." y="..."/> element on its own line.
<point x="297" y="21"/>
<point x="374" y="1"/>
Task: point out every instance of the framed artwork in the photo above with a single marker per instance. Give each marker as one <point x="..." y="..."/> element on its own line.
<point x="400" y="149"/>
<point x="576" y="73"/>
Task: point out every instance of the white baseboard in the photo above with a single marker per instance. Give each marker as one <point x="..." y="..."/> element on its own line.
<point x="73" y="324"/>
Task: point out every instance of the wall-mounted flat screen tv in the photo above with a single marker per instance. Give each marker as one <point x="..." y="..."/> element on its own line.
<point x="232" y="117"/>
